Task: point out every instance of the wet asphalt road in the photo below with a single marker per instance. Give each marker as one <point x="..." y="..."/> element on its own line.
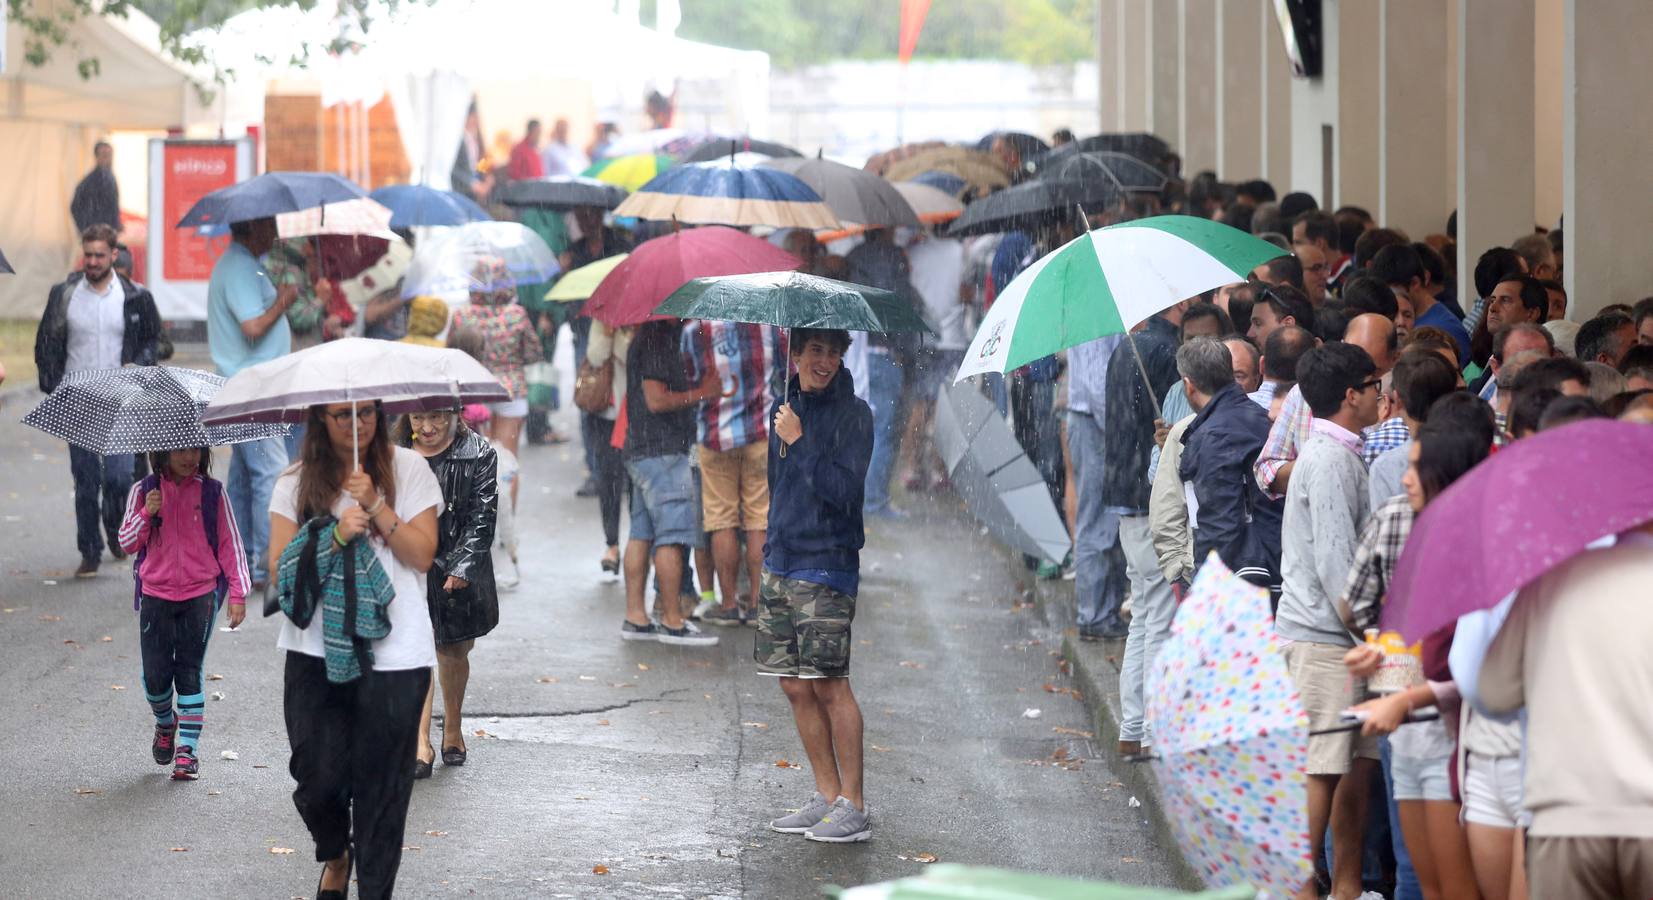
<point x="660" y="764"/>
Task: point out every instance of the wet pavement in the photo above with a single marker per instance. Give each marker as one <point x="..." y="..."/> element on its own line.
<point x="656" y="766"/>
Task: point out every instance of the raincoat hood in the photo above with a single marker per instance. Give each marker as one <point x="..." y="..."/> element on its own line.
<point x="427" y="316"/>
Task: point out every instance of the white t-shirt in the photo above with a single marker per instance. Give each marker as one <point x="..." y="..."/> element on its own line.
<point x="411" y="643"/>
<point x="938" y="269"/>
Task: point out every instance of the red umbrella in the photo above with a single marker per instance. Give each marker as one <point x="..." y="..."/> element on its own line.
<point x="660" y="266"/>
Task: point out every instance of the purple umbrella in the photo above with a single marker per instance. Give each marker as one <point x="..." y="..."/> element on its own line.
<point x="1529" y="508"/>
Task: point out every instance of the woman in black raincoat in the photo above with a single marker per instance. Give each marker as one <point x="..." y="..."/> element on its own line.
<point x="460" y="585"/>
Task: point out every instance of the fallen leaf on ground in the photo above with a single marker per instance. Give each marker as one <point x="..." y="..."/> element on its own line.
<point x="51" y="618"/>
<point x="217" y="695"/>
<point x="209" y="677"/>
<point x="1129" y="859"/>
<point x="1030" y="713"/>
<point x="214" y="793"/>
<point x="281" y="851"/>
<point x="437" y="833"/>
<point x="546" y="679"/>
<point x="755" y="724"/>
<point x="909" y="664"/>
<point x="229" y="754"/>
<point x="599" y="869"/>
<point x="260" y="766"/>
<point x="180" y="849"/>
<point x="642" y="667"/>
<point x="783" y="764"/>
<point x="412" y="847"/>
<point x="588" y="678"/>
<point x="879" y="749"/>
<point x="1073" y="731"/>
<point x="87" y="791"/>
<point x="622" y="684"/>
<point x="1061" y="753"/>
<point x="105" y="639"/>
<point x="926" y="858"/>
<point x="1063" y="666"/>
<point x="602" y="721"/>
<point x="117" y="687"/>
<point x="483" y="734"/>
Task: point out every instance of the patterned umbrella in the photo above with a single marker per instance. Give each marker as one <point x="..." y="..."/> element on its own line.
<point x="138" y="409"/>
<point x="1232" y="739"/>
<point x="721" y="194"/>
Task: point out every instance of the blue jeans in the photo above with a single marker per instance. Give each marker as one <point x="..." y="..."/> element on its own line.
<point x="101" y="486"/>
<point x="1098" y="559"/>
<point x="1406" y="879"/>
<point x="884" y="379"/>
<point x="254" y="467"/>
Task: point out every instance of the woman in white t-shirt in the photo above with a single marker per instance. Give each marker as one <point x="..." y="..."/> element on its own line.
<point x="350" y="741"/>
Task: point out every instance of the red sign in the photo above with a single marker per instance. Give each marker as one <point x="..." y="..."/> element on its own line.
<point x="191" y="171"/>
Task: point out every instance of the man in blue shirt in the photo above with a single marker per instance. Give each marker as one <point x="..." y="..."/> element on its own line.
<point x="1402" y="269"/>
<point x="247" y="325"/>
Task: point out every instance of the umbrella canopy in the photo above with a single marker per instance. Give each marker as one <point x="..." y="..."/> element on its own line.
<point x="855" y="196"/>
<point x="1027" y="146"/>
<point x="1231" y="739"/>
<point x="405" y="377"/>
<point x="1147" y="147"/>
<point x="932" y="204"/>
<point x="629" y="172"/>
<point x="942" y="881"/>
<point x="138" y="409"/>
<point x="983" y="172"/>
<point x="5" y="266"/>
<point x="457" y="260"/>
<point x="792" y="300"/>
<point x="719" y="194"/>
<point x="1577" y="484"/>
<point x="362" y="216"/>
<point x="991" y="472"/>
<point x="1125" y="173"/>
<point x="879" y="163"/>
<point x="1028" y="206"/>
<point x="270" y="194"/>
<point x="660" y="266"/>
<point x="417" y="206"/>
<point x="946" y="182"/>
<point x="723" y="148"/>
<point x="563" y="192"/>
<point x="1106" y="282"/>
<point x="579" y="284"/>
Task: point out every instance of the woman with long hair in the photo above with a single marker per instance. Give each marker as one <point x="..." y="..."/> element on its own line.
<point x="609" y="347"/>
<point x="508" y="342"/>
<point x="1455" y="438"/>
<point x="460" y="584"/>
<point x="346" y="737"/>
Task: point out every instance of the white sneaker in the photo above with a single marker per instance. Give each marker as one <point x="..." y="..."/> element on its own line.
<point x="702" y="608"/>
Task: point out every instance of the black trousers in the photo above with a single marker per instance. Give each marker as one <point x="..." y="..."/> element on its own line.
<point x="101" y="485"/>
<point x="172" y="636"/>
<point x="610" y="473"/>
<point x="353" y="748"/>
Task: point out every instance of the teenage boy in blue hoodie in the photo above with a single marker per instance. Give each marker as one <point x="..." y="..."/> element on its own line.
<point x="818" y="461"/>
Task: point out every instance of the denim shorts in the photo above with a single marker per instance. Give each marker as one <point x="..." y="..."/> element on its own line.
<point x="664" y="507"/>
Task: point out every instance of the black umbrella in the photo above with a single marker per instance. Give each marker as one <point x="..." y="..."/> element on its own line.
<point x="1126" y="173"/>
<point x="1146" y="147"/>
<point x="5" y="265"/>
<point x="269" y="195"/>
<point x="563" y="192"/>
<point x="723" y="148"/>
<point x="1030" y="205"/>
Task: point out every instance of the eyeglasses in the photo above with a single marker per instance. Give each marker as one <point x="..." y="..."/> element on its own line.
<point x="366" y="413"/>
<point x="1375" y="382"/>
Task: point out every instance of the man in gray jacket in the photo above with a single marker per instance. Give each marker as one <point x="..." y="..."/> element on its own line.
<point x="1326" y="502"/>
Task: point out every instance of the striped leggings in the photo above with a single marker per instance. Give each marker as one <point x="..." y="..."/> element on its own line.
<point x="173" y="638"/>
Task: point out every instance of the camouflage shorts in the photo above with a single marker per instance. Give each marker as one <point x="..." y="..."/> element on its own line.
<point x="803" y="629"/>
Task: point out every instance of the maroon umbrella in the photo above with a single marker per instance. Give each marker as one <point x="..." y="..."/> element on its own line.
<point x="1526" y="510"/>
<point x="658" y="267"/>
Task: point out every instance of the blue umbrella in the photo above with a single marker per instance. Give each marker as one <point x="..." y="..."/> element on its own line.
<point x="946" y="182"/>
<point x="721" y="194"/>
<point x="414" y="205"/>
<point x="268" y="195"/>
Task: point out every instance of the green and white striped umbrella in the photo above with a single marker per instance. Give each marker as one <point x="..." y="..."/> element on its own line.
<point x="1106" y="282"/>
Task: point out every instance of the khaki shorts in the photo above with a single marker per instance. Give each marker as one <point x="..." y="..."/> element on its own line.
<point x="1327" y="689"/>
<point x="734" y="487"/>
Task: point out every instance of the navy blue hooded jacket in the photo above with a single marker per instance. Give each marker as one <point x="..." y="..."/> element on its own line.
<point x="1219" y="448"/>
<point x="815" y="491"/>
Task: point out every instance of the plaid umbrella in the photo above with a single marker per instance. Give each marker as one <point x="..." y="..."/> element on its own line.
<point x="139" y="409"/>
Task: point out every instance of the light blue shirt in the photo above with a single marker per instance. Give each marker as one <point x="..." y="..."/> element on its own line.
<point x="240" y="290"/>
<point x="1088" y="375"/>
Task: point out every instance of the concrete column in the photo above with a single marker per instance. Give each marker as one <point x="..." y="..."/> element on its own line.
<point x="1241" y="91"/>
<point x="1276" y="76"/>
<point x="1495" y="129"/>
<point x="1199" y="85"/>
<point x="1135" y="57"/>
<point x="1413" y="70"/>
<point x="1450" y="164"/>
<point x="1107" y="69"/>
<point x="1165" y="95"/>
<point x="1314" y="117"/>
<point x="1359" y="101"/>
<point x="1549" y="40"/>
<point x="1604" y="154"/>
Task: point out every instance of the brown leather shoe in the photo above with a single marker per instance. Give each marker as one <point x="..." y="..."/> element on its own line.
<point x="88" y="568"/>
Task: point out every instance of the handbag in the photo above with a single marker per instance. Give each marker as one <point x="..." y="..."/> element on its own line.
<point x="594" y="387"/>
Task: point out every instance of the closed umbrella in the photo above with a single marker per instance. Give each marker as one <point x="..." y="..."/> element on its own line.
<point x="269" y="195"/>
<point x="1577" y="484"/>
<point x="660" y="266"/>
<point x="450" y="262"/>
<point x="418" y="206"/>
<point x="139" y="409"/>
<point x="721" y="194"/>
<point x="990" y="471"/>
<point x="855" y="196"/>
<point x="1231" y="739"/>
<point x="563" y="192"/>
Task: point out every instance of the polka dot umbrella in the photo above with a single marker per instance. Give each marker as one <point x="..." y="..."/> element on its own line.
<point x="139" y="409"/>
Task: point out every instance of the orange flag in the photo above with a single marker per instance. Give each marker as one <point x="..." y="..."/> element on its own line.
<point x="912" y="22"/>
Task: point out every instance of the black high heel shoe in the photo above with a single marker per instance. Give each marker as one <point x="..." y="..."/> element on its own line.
<point x="349" y="864"/>
<point x="611" y="566"/>
<point x="422" y="767"/>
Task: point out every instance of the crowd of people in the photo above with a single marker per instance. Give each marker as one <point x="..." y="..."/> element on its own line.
<point x="1293" y="424"/>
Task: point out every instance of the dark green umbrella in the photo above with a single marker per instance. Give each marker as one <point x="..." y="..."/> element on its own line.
<point x="792" y="300"/>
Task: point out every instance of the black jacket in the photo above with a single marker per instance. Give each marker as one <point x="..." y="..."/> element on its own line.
<point x="51" y="341"/>
<point x="1219" y="448"/>
<point x="469" y="475"/>
<point x="1128" y="422"/>
<point x="815" y="490"/>
<point x="97" y="201"/>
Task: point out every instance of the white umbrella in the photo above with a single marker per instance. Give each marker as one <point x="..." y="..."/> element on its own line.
<point x="403" y="377"/>
<point x="451" y="261"/>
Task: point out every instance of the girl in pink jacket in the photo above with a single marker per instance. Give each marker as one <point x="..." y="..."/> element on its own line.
<point x="188" y="559"/>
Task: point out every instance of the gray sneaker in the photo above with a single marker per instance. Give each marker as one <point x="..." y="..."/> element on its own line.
<point x="804" y="819"/>
<point x="721" y="616"/>
<point x="842" y="824"/>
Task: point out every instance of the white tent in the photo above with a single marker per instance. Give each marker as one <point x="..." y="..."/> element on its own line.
<point x="49" y="118"/>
